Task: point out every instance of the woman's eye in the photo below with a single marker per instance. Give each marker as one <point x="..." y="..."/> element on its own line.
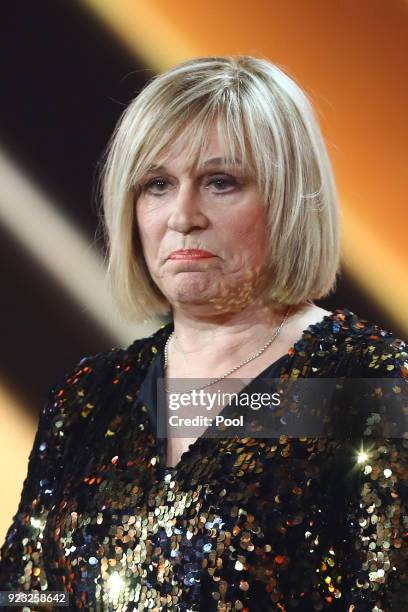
<point x="156" y="186"/>
<point x="222" y="183"/>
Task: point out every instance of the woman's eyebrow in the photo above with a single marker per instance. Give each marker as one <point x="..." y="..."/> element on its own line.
<point x="221" y="161"/>
<point x="214" y="162"/>
<point x="155" y="168"/>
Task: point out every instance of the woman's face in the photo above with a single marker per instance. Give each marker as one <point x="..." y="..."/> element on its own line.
<point x="216" y="208"/>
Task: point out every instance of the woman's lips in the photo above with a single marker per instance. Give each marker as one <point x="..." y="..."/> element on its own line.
<point x="191" y="254"/>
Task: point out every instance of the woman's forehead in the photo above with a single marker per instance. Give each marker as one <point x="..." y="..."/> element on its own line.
<point x="197" y="141"/>
<point x="200" y="151"/>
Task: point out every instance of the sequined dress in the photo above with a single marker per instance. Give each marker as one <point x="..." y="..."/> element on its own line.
<point x="252" y="524"/>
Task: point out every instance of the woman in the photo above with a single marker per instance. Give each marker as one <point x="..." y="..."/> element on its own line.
<point x="221" y="210"/>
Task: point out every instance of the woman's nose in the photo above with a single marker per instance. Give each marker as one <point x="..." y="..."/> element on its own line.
<point x="186" y="210"/>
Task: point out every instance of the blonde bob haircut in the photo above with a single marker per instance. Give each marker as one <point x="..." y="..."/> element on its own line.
<point x="266" y="122"/>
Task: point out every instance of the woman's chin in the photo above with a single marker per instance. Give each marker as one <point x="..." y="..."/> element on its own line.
<point x="189" y="297"/>
<point x="194" y="288"/>
<point x="201" y="292"/>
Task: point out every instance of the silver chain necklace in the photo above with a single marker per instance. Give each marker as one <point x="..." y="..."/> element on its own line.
<point x="251" y="358"/>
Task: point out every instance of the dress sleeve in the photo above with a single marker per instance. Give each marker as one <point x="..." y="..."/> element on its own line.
<point x="21" y="560"/>
<point x="379" y="522"/>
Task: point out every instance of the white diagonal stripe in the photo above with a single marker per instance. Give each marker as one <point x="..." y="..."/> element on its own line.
<point x="62" y="249"/>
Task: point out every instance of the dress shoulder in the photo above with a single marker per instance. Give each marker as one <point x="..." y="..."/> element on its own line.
<point x="367" y="349"/>
<point x="75" y="405"/>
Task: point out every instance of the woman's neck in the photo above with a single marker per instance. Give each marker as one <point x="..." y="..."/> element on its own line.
<point x="212" y="345"/>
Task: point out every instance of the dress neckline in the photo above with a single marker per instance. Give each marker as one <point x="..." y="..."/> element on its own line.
<point x="270" y="371"/>
<point x="298" y="344"/>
